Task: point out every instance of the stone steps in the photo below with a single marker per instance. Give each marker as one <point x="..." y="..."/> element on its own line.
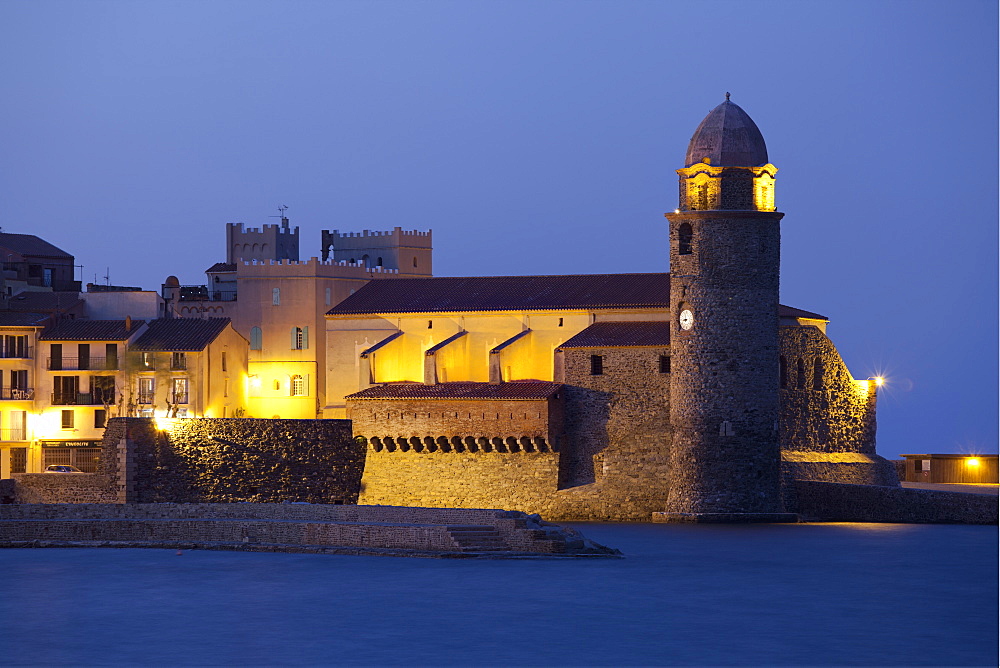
<point x="478" y="538"/>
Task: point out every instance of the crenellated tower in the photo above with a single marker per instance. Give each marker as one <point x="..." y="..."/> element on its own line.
<point x="724" y="266"/>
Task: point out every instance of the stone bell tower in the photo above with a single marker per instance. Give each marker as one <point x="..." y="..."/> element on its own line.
<point x="724" y="262"/>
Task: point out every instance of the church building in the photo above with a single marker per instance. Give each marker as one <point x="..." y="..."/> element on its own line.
<point x="691" y="395"/>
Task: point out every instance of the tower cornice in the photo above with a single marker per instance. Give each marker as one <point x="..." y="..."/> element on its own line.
<point x="677" y="216"/>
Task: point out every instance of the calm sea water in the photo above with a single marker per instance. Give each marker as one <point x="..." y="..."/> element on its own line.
<point x="843" y="594"/>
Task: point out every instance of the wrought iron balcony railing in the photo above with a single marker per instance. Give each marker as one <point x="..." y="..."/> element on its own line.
<point x="83" y="363"/>
<point x="17" y="393"/>
<point x="95" y="398"/>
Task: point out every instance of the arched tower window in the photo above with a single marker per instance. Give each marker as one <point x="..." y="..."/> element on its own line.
<point x="256" y="338"/>
<point x="276" y="296"/>
<point x="818" y="374"/>
<point x="685" y="236"/>
<point x="800" y="368"/>
<point x="378" y="262"/>
<point x="783" y="364"/>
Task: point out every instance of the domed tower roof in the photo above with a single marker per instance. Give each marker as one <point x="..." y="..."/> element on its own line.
<point x="728" y="137"/>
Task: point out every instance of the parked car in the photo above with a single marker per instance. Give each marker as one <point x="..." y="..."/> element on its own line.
<point x="61" y="468"/>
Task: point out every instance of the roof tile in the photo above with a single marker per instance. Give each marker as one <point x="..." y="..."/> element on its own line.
<point x="521" y="390"/>
<point x="180" y="334"/>
<point x="622" y="334"/>
<point x="90" y="330"/>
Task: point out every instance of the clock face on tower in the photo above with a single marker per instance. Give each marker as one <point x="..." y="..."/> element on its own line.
<point x="687" y="319"/>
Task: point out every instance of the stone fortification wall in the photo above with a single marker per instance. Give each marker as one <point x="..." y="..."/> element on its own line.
<point x="195" y="460"/>
<point x="239" y="460"/>
<point x="395" y="422"/>
<point x="834" y="502"/>
<point x="290" y="527"/>
<point x="611" y="466"/>
<point x="827" y="421"/>
<point x="823" y="409"/>
<point x="618" y="421"/>
<point x="64" y="488"/>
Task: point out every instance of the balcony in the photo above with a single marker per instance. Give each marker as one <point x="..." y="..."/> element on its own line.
<point x="18" y="353"/>
<point x="17" y="393"/>
<point x="83" y="363"/>
<point x="95" y="398"/>
<point x="146" y="398"/>
<point x="179" y="398"/>
<point x="14" y="434"/>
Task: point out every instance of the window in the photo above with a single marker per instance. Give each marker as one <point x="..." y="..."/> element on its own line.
<point x="430" y="324"/>
<point x="147" y="361"/>
<point x="100" y="418"/>
<point x="55" y="356"/>
<point x="19" y="385"/>
<point x="685" y="236"/>
<point x="800" y="369"/>
<point x="783" y="364"/>
<point x="299" y="387"/>
<point x="596" y="365"/>
<point x="83" y="356"/>
<point x="180" y="391"/>
<point x="18" y="460"/>
<point x="65" y="390"/>
<point x="18" y="429"/>
<point x="67" y="419"/>
<point x="225" y="387"/>
<point x="276" y="296"/>
<point x="378" y="262"/>
<point x="178" y="361"/>
<point x="15" y="346"/>
<point x="102" y="390"/>
<point x="110" y="356"/>
<point x="414" y="262"/>
<point x="224" y="362"/>
<point x="147" y="389"/>
<point x="560" y="322"/>
<point x="328" y="296"/>
<point x="818" y="374"/>
<point x="664" y="363"/>
<point x="300" y="338"/>
<point x="256" y="338"/>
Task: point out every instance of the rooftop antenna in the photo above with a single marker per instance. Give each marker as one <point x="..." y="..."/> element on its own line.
<point x="107" y="276"/>
<point x="281" y="214"/>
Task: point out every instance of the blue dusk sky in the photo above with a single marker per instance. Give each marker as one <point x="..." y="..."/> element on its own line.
<point x="536" y="138"/>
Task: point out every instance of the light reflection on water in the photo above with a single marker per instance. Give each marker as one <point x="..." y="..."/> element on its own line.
<point x="841" y="594"/>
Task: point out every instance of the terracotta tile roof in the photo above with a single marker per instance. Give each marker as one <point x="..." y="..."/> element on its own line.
<point x="789" y="312"/>
<point x="518" y="390"/>
<point x="622" y="334"/>
<point x="221" y="266"/>
<point x="180" y="334"/>
<point x="29" y="244"/>
<point x="508" y="293"/>
<point x="42" y="302"/>
<point x="90" y="330"/>
<point x="22" y="319"/>
<point x="517" y="293"/>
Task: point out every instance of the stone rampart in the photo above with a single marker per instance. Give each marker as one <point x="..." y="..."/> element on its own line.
<point x="239" y="460"/>
<point x="290" y="527"/>
<point x="395" y="422"/>
<point x="195" y="460"/>
<point x="834" y="502"/>
<point x="64" y="488"/>
<point x="823" y="408"/>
